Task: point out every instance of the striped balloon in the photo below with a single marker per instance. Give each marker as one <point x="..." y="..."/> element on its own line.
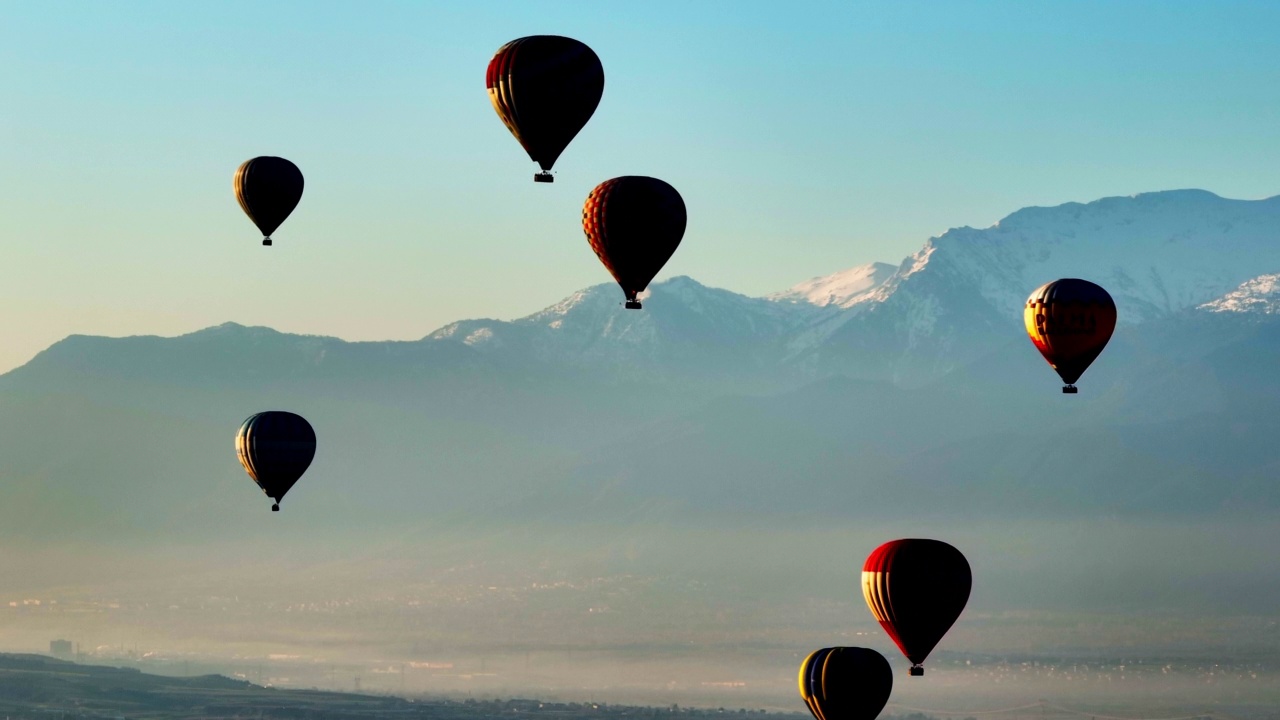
<point x="1070" y="322"/>
<point x="634" y="224"/>
<point x="268" y="189"/>
<point x="916" y="589"/>
<point x="275" y="448"/>
<point x="545" y="88"/>
<point x="845" y="683"/>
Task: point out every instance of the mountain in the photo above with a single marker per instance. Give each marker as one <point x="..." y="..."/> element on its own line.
<point x="941" y="308"/>
<point x="843" y="289"/>
<point x="1174" y="421"/>
<point x="1259" y="295"/>
<point x="873" y="392"/>
<point x="1156" y="253"/>
<point x="687" y="329"/>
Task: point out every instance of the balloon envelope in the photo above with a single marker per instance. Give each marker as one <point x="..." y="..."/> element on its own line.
<point x="268" y="189"/>
<point x="845" y="683"/>
<point x="1070" y="322"/>
<point x="634" y="224"/>
<point x="275" y="448"/>
<point x="916" y="589"/>
<point x="545" y="88"/>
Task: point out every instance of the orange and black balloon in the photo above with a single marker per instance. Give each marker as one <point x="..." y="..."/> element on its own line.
<point x="268" y="189"/>
<point x="634" y="225"/>
<point x="1070" y="322"/>
<point x="276" y="448"/>
<point x="545" y="88"/>
<point x="916" y="589"/>
<point x="845" y="683"/>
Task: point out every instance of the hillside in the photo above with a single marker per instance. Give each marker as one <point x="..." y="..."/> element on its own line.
<point x="37" y="686"/>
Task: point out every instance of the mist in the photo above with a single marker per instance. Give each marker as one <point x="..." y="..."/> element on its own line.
<point x="653" y="613"/>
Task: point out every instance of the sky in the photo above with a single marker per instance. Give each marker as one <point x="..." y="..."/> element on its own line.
<point x="804" y="137"/>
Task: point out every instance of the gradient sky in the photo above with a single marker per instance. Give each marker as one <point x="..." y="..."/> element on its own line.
<point x="805" y="138"/>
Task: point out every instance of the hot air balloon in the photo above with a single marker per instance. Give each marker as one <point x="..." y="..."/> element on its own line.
<point x="1070" y="322"/>
<point x="275" y="447"/>
<point x="916" y="589"/>
<point x="845" y="683"/>
<point x="634" y="224"/>
<point x="545" y="88"/>
<point x="268" y="189"/>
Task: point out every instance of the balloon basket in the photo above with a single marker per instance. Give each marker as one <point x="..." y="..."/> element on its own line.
<point x="917" y="671"/>
<point x="633" y="305"/>
<point x="275" y="507"/>
<point x="544" y="177"/>
<point x="266" y="241"/>
<point x="1069" y="389"/>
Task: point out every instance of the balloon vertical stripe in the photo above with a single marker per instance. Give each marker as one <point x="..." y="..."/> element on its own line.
<point x="268" y="189"/>
<point x="545" y="88"/>
<point x="916" y="589"/>
<point x="1070" y="321"/>
<point x="275" y="448"/>
<point x="845" y="683"/>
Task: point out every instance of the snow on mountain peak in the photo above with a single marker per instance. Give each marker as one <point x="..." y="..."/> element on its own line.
<point x="842" y="289"/>
<point x="1261" y="295"/>
<point x="1156" y="253"/>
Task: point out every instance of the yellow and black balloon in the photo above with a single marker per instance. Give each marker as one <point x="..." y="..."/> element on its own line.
<point x="275" y="448"/>
<point x="845" y="683"/>
<point x="1070" y="322"/>
<point x="545" y="88"/>
<point x="268" y="189"/>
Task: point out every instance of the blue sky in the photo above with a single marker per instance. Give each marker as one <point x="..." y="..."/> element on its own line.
<point x="804" y="137"/>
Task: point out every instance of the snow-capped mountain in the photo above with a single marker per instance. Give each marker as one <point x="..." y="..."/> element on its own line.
<point x="957" y="299"/>
<point x="843" y="289"/>
<point x="952" y="301"/>
<point x="1156" y="253"/>
<point x="1259" y="295"/>
<point x="685" y="326"/>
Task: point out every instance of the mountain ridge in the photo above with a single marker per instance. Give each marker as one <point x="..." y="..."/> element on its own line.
<point x="705" y="400"/>
<point x="965" y="277"/>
